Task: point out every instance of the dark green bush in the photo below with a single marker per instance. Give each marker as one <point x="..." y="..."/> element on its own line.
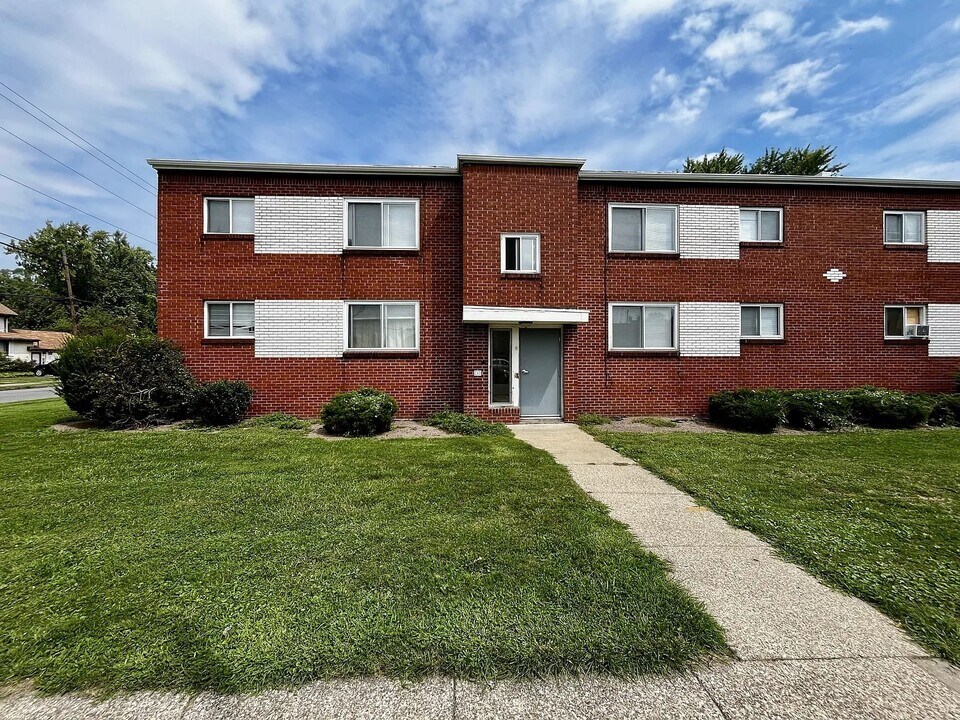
<point x="364" y="411"/>
<point x="122" y="381"/>
<point x="15" y="365"/>
<point x="890" y="409"/>
<point x="462" y="424"/>
<point x="223" y="402"/>
<point x="759" y="411"/>
<point x="591" y="419"/>
<point x="945" y="410"/>
<point x="816" y="409"/>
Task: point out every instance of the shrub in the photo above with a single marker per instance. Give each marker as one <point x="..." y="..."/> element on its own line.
<point x="591" y="419"/>
<point x="364" y="411"/>
<point x="816" y="409"/>
<point x="891" y="409"/>
<point x="123" y="381"/>
<point x="749" y="410"/>
<point x="945" y="410"/>
<point x="279" y="421"/>
<point x="15" y="365"/>
<point x="223" y="402"/>
<point x="462" y="424"/>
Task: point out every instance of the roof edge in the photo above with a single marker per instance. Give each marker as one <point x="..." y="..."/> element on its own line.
<point x="751" y="179"/>
<point x="302" y="168"/>
<point x="467" y="159"/>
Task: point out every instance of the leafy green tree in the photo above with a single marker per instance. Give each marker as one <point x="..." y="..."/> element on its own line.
<point x="109" y="276"/>
<point x="792" y="161"/>
<point x="36" y="307"/>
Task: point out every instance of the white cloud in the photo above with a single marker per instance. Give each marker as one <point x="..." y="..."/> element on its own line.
<point x="928" y="92"/>
<point x="687" y="106"/>
<point x="663" y="83"/>
<point x="807" y="76"/>
<point x="696" y="27"/>
<point x="747" y="46"/>
<point x="955" y="25"/>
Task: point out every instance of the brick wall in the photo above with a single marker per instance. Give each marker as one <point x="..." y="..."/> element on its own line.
<point x="709" y="231"/>
<point x="298" y="224"/>
<point x="943" y="236"/>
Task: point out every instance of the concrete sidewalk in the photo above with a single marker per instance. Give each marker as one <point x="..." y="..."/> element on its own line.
<point x="803" y="650"/>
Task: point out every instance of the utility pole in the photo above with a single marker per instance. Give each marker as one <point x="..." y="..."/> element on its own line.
<point x="66" y="275"/>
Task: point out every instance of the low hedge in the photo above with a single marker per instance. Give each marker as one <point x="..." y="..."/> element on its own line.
<point x="463" y="424"/>
<point x="358" y="413"/>
<point x="759" y="411"/>
<point x="888" y="409"/>
<point x="223" y="402"/>
<point x="945" y="410"/>
<point x="816" y="409"/>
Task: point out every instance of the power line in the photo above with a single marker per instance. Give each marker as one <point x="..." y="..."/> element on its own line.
<point x="77" y="135"/>
<point x="44" y="152"/>
<point x="74" y="207"/>
<point x="40" y="120"/>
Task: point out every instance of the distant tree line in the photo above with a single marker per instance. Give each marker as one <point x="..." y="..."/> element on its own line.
<point x="792" y="161"/>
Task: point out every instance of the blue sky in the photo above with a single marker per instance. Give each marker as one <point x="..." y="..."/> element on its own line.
<point x="631" y="85"/>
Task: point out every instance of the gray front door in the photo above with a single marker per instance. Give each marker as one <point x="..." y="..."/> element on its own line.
<point x="540" y="372"/>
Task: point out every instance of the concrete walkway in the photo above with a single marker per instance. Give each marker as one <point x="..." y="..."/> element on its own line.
<point x="803" y="650"/>
<point x="40" y="393"/>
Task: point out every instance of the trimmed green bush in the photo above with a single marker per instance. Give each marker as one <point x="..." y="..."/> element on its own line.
<point x="121" y="381"/>
<point x="889" y="409"/>
<point x="279" y="421"/>
<point x="945" y="410"/>
<point x="759" y="411"/>
<point x="223" y="402"/>
<point x="816" y="409"/>
<point x="591" y="419"/>
<point x="360" y="412"/>
<point x="15" y="365"/>
<point x="463" y="424"/>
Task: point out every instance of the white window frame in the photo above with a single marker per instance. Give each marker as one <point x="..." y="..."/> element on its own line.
<point x="903" y="308"/>
<point x="676" y="326"/>
<point x="536" y="252"/>
<point x="923" y="227"/>
<point x="381" y="201"/>
<point x="644" y="206"/>
<point x="758" y="210"/>
<point x="761" y="336"/>
<point x="514" y="364"/>
<point x="231" y="336"/>
<point x="206" y="215"/>
<point x="383" y="321"/>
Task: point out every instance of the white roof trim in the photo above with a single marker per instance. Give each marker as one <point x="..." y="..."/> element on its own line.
<point x="552" y="316"/>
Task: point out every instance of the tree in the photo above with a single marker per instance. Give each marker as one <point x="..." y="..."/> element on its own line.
<point x="792" y="161"/>
<point x="110" y="278"/>
<point x="36" y="307"/>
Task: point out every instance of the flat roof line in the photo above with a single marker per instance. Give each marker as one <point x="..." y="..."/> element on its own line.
<point x="307" y="168"/>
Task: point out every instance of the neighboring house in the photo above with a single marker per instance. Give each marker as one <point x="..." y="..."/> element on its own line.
<point x="528" y="287"/>
<point x="37" y="346"/>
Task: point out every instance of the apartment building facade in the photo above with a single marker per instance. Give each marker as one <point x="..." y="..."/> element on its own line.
<point x="530" y="288"/>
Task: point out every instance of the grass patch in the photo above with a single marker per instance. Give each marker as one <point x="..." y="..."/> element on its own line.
<point x="19" y="381"/>
<point x="278" y="421"/>
<point x="251" y="558"/>
<point x="654" y="421"/>
<point x="592" y="419"/>
<point x="462" y="424"/>
<point x="873" y="513"/>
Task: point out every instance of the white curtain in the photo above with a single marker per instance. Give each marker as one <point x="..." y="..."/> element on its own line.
<point x="625" y="234"/>
<point x="750" y="321"/>
<point x="243" y="320"/>
<point x="769" y="226"/>
<point x="218" y="319"/>
<point x="660" y="231"/>
<point x="243" y="216"/>
<point x="401" y="326"/>
<point x="748" y="225"/>
<point x="365" y="326"/>
<point x="911" y="228"/>
<point x="770" y="321"/>
<point x="218" y="216"/>
<point x="400" y="220"/>
<point x="627" y="327"/>
<point x="658" y="327"/>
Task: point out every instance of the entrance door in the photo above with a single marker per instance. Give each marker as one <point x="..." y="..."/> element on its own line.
<point x="540" y="372"/>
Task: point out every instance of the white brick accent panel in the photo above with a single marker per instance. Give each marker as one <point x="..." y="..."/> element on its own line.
<point x="943" y="236"/>
<point x="298" y="328"/>
<point x="298" y="224"/>
<point x="710" y="231"/>
<point x="944" y="322"/>
<point x="709" y="329"/>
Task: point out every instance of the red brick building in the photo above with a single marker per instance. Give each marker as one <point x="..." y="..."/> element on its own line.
<point x="529" y="287"/>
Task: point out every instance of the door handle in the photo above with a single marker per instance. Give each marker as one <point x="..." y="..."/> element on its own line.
<point x="524" y="372"/>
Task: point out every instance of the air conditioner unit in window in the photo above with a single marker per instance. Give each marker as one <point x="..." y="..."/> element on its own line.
<point x="920" y="331"/>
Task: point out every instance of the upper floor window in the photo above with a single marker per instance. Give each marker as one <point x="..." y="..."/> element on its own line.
<point x="643" y="327"/>
<point x="761" y="321"/>
<point x="761" y="225"/>
<point x="904" y="321"/>
<point x="383" y="325"/>
<point x="643" y="228"/>
<point x="903" y="228"/>
<point x="229" y="319"/>
<point x="519" y="253"/>
<point x="383" y="224"/>
<point x="229" y="215"/>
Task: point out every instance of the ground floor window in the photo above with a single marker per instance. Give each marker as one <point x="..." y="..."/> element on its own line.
<point x="903" y="321"/>
<point x="501" y="366"/>
<point x="383" y="326"/>
<point x="761" y="321"/>
<point x="229" y="319"/>
<point x="643" y="327"/>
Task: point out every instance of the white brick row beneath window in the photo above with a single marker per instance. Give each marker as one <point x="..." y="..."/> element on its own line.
<point x="943" y="236"/>
<point x="710" y="231"/>
<point x="298" y="224"/>
<point x="709" y="329"/>
<point x="944" y="322"/>
<point x="299" y="328"/>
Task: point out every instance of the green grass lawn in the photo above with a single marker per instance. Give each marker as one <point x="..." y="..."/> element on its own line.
<point x="17" y="381"/>
<point x="875" y="513"/>
<point x="258" y="557"/>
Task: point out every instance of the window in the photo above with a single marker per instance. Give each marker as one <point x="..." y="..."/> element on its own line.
<point x="643" y="327"/>
<point x="903" y="228"/>
<point x="229" y="215"/>
<point x="229" y="319"/>
<point x="761" y="321"/>
<point x="383" y="224"/>
<point x="647" y="228"/>
<point x="501" y="366"/>
<point x="383" y="326"/>
<point x="901" y="321"/>
<point x="520" y="253"/>
<point x="760" y="225"/>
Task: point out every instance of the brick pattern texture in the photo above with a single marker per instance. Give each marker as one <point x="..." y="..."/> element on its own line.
<point x="709" y="231"/>
<point x="299" y="328"/>
<point x="709" y="329"/>
<point x="943" y="236"/>
<point x="297" y="224"/>
<point x="833" y="331"/>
